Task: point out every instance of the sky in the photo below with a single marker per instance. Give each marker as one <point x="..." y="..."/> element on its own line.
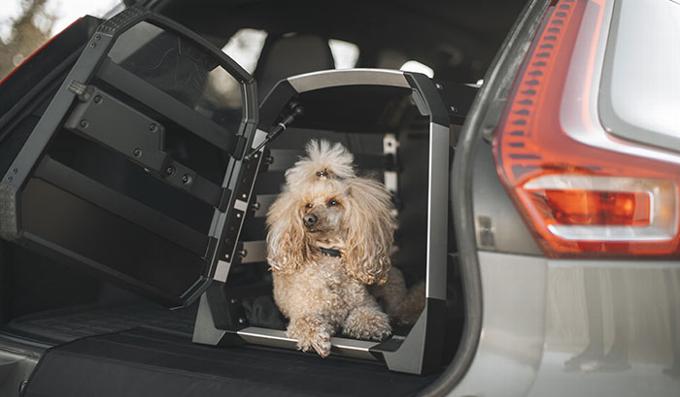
<point x="66" y="11"/>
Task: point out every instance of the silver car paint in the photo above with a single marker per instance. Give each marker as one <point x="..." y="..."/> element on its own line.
<point x="576" y="328"/>
<point x="511" y="344"/>
<point x="612" y="328"/>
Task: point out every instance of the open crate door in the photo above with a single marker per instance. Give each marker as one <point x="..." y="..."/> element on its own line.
<point x="133" y="170"/>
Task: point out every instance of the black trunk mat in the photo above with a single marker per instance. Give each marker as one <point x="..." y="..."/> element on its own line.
<point x="65" y="325"/>
<point x="145" y="362"/>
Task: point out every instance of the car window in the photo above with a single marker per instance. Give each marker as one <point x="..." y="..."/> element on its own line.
<point x="245" y="47"/>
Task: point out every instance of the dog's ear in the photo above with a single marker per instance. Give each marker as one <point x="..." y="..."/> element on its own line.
<point x="287" y="249"/>
<point x="370" y="226"/>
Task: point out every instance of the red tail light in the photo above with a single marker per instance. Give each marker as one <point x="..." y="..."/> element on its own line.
<point x="583" y="207"/>
<point x="579" y="199"/>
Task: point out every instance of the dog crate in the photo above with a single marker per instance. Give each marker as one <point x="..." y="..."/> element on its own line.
<point x="380" y="115"/>
<point x="147" y="168"/>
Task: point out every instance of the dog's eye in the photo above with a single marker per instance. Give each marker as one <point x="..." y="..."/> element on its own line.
<point x="309" y="205"/>
<point x="332" y="203"/>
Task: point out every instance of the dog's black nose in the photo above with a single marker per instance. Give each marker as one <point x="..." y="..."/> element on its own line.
<point x="309" y="220"/>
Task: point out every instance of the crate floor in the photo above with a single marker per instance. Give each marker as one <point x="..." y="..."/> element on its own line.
<point x="144" y="362"/>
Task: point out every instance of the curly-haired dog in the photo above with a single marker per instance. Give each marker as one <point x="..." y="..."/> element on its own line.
<point x="329" y="239"/>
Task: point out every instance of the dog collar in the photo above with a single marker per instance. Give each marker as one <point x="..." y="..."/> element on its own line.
<point x="335" y="253"/>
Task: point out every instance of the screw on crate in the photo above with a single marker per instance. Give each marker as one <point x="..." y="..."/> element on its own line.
<point x="296" y="111"/>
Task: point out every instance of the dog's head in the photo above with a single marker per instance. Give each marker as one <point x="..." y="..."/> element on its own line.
<point x="328" y="208"/>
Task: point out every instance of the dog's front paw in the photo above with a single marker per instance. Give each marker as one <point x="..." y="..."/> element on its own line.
<point x="311" y="333"/>
<point x="367" y="323"/>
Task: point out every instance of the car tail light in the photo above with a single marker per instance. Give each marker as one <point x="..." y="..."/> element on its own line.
<point x="579" y="200"/>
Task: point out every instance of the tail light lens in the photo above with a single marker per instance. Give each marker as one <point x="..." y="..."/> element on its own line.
<point x="579" y="200"/>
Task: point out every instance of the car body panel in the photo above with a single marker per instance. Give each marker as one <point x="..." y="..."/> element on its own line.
<point x="611" y="329"/>
<point x="576" y="327"/>
<point x="499" y="226"/>
<point x="511" y="343"/>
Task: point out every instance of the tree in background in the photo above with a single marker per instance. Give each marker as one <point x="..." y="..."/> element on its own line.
<point x="29" y="30"/>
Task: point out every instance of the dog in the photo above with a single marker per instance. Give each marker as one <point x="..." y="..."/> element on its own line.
<point x="330" y="235"/>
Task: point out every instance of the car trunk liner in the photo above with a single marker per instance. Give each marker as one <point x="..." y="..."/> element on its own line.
<point x="67" y="324"/>
<point x="145" y="362"/>
<point x="64" y="325"/>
